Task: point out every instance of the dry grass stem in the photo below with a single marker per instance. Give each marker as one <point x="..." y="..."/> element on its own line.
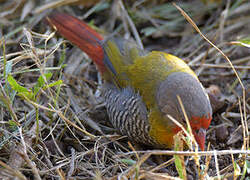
<point x="60" y="127"/>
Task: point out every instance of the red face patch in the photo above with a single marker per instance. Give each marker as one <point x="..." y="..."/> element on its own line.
<point x="200" y="122"/>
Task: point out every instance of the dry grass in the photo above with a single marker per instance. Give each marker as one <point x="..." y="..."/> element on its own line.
<point x="54" y="123"/>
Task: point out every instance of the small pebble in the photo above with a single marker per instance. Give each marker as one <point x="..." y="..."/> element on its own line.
<point x="222" y="133"/>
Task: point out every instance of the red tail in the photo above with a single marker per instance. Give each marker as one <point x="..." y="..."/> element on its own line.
<point x="80" y="34"/>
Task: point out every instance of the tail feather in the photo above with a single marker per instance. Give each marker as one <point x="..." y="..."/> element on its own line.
<point x="81" y="35"/>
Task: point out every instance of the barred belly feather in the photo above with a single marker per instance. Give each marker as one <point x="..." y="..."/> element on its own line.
<point x="127" y="113"/>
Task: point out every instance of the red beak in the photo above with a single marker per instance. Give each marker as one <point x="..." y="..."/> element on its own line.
<point x="200" y="138"/>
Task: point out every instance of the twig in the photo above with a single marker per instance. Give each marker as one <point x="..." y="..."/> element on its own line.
<point x="136" y="34"/>
<point x="72" y="164"/>
<point x="31" y="164"/>
<point x="217" y="165"/>
<point x="15" y="172"/>
<point x="188" y="153"/>
<point x="219" y="66"/>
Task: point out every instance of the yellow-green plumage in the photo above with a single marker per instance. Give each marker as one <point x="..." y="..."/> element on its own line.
<point x="144" y="73"/>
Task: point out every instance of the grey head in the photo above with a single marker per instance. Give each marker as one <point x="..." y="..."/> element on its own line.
<point x="193" y="96"/>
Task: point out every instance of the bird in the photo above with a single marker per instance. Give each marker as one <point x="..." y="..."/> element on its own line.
<point x="141" y="88"/>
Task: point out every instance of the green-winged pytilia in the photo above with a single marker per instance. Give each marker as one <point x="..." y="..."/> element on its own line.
<point x="141" y="88"/>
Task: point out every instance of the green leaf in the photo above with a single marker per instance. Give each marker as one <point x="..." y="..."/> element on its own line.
<point x="179" y="166"/>
<point x="246" y="41"/>
<point x="148" y="31"/>
<point x="8" y="67"/>
<point x="64" y="65"/>
<point x="63" y="56"/>
<point x="12" y="123"/>
<point x="236" y="169"/>
<point x="128" y="161"/>
<point x="243" y="42"/>
<point x="22" y="91"/>
<point x="3" y="101"/>
<point x="179" y="160"/>
<point x="10" y="92"/>
<point x="101" y="6"/>
<point x="14" y="85"/>
<point x="59" y="82"/>
<point x="41" y="81"/>
<point x="248" y="166"/>
<point x="246" y="170"/>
